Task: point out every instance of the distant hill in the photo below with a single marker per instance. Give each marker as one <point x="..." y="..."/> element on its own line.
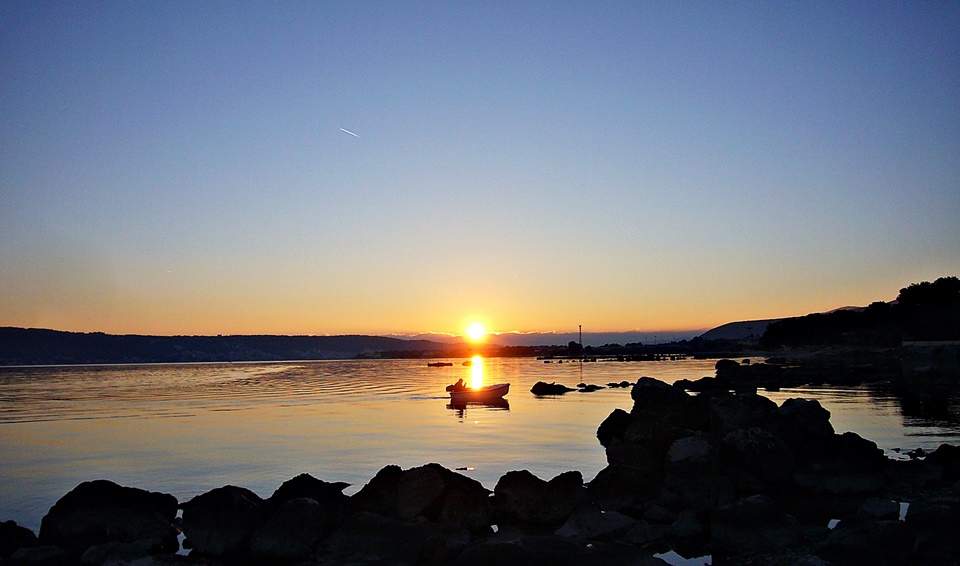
<point x="23" y="346"/>
<point x="745" y="330"/>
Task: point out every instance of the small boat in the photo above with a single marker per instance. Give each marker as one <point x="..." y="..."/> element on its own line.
<point x="486" y="393"/>
<point x="439" y="364"/>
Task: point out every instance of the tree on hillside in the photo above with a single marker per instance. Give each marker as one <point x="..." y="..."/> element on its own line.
<point x="923" y="311"/>
<point x="931" y="311"/>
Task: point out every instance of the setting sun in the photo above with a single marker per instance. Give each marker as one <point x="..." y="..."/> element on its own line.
<point x="476" y="331"/>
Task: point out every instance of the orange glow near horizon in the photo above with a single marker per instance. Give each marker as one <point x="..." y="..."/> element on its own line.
<point x="476" y="373"/>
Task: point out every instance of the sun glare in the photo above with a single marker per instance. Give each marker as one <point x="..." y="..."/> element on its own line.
<point x="476" y="331"/>
<point x="476" y="373"/>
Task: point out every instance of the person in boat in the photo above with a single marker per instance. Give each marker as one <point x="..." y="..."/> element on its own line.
<point x="458" y="386"/>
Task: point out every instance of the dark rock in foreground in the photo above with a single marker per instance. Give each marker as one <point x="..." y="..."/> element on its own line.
<point x="101" y="511"/>
<point x="221" y="522"/>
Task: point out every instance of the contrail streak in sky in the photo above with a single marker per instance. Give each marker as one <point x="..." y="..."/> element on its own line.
<point x="349" y="132"/>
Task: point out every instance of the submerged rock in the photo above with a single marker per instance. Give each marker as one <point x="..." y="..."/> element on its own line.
<point x="544" y="388"/>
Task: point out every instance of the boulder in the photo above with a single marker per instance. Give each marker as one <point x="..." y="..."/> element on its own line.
<point x="876" y="508"/>
<point x="755" y="524"/>
<point x="936" y="522"/>
<point x="526" y="550"/>
<point x="431" y="492"/>
<point x="292" y="530"/>
<point x="686" y="525"/>
<point x="368" y="538"/>
<point x="692" y="471"/>
<point x="14" y="537"/>
<point x="329" y="495"/>
<point x="618" y="486"/>
<point x="47" y="555"/>
<point x="544" y="388"/>
<point x="947" y="457"/>
<point x="119" y="552"/>
<point x="589" y="522"/>
<point x="760" y="460"/>
<point x="221" y="522"/>
<point x="613" y="426"/>
<point x="803" y="424"/>
<point x="101" y="511"/>
<point x="744" y="410"/>
<point x="845" y="464"/>
<point x="379" y="495"/>
<point x="858" y="540"/>
<point x="522" y="498"/>
<point x="652" y="394"/>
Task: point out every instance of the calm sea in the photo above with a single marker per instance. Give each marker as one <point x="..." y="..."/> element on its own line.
<point x="187" y="428"/>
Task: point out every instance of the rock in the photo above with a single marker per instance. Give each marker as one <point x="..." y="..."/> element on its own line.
<point x="947" y="457"/>
<point x="618" y="487"/>
<point x="367" y="538"/>
<point x="47" y="555"/>
<point x="857" y="540"/>
<point x="379" y="495"/>
<point x="14" y="537"/>
<point x="526" y="550"/>
<point x="882" y="509"/>
<point x="754" y="524"/>
<point x="802" y="424"/>
<point x="686" y="525"/>
<point x="523" y="551"/>
<point x="101" y="511"/>
<point x="936" y="522"/>
<point x="692" y="471"/>
<point x="328" y="495"/>
<point x="845" y="464"/>
<point x="589" y="522"/>
<point x="652" y="394"/>
<point x="733" y="412"/>
<point x="613" y="426"/>
<point x="703" y="385"/>
<point x="522" y="498"/>
<point x="589" y="388"/>
<point x="544" y="388"/>
<point x="221" y="522"/>
<point x="292" y="530"/>
<point x="762" y="462"/>
<point x="120" y="552"/>
<point x="430" y="491"/>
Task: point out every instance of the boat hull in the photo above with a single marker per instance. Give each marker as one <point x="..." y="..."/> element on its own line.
<point x="486" y="393"/>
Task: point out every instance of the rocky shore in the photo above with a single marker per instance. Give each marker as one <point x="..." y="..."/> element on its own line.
<point x="723" y="472"/>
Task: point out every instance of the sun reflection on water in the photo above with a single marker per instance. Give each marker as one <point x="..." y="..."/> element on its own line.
<point x="476" y="373"/>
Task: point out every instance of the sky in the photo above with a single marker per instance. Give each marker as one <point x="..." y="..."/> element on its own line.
<point x="409" y="167"/>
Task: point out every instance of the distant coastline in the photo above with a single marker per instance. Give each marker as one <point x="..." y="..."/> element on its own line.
<point x="33" y="347"/>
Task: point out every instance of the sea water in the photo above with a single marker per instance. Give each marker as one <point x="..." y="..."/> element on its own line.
<point x="184" y="429"/>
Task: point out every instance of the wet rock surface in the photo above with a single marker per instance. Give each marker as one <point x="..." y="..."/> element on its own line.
<point x="723" y="472"/>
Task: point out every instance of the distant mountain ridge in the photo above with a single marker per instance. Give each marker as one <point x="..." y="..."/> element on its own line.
<point x="743" y="330"/>
<point x="31" y="346"/>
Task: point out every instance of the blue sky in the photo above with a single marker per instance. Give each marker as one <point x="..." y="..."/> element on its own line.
<point x="180" y="168"/>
